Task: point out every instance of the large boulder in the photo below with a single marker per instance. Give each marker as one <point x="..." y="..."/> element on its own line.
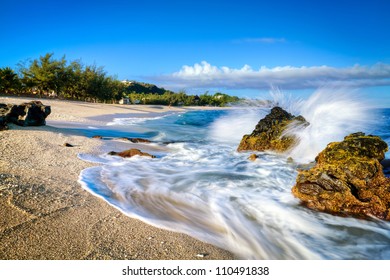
<point x="348" y="179"/>
<point x="270" y="132"/>
<point x="32" y="113"/>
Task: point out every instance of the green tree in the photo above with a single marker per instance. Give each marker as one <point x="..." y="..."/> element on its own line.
<point x="9" y="81"/>
<point x="46" y="75"/>
<point x="72" y="81"/>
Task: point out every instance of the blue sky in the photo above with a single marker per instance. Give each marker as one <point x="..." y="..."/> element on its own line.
<point x="239" y="47"/>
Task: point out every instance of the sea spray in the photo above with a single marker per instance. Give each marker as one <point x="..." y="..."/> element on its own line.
<point x="231" y="127"/>
<point x="332" y="114"/>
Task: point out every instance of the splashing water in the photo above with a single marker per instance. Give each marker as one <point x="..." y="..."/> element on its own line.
<point x="332" y="114"/>
<point x="204" y="188"/>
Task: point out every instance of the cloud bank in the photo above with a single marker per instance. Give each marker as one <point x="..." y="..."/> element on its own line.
<point x="205" y="75"/>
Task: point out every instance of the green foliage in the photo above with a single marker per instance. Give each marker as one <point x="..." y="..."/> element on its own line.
<point x="45" y="75"/>
<point x="9" y="81"/>
<point x="59" y="78"/>
<point x="133" y="86"/>
<point x="218" y="99"/>
<point x="182" y="99"/>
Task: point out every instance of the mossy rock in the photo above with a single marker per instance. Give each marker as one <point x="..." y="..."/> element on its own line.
<point x="269" y="133"/>
<point x="348" y="179"/>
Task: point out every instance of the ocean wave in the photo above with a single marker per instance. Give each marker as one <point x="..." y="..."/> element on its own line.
<point x="202" y="187"/>
<point x="135" y="120"/>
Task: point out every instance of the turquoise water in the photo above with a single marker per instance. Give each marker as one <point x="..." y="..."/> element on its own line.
<point x="201" y="186"/>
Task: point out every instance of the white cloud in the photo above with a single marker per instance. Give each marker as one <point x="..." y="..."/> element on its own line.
<point x="205" y="75"/>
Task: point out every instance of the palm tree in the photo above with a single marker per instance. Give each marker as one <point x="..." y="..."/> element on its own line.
<point x="9" y="80"/>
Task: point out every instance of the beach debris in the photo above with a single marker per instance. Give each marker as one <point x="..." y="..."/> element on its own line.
<point x="67" y="145"/>
<point x="31" y="113"/>
<point x="202" y="255"/>
<point x="253" y="157"/>
<point x="97" y="137"/>
<point x="269" y="133"/>
<point x="131" y="153"/>
<point x="348" y="179"/>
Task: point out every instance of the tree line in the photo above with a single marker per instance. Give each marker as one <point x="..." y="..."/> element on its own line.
<point x="58" y="78"/>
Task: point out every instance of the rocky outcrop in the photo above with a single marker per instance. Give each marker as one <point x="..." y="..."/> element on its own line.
<point x="135" y="140"/>
<point x="131" y="153"/>
<point x="270" y="132"/>
<point x="32" y="113"/>
<point x="348" y="179"/>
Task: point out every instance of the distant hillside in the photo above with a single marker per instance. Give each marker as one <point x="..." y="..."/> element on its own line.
<point x="138" y="87"/>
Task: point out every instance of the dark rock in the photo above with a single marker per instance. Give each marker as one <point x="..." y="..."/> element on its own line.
<point x="3" y="123"/>
<point x="139" y="140"/>
<point x="4" y="111"/>
<point x="97" y="137"/>
<point x="68" y="145"/>
<point x="348" y="179"/>
<point x="131" y="153"/>
<point x="32" y="113"/>
<point x="269" y="133"/>
<point x="135" y="140"/>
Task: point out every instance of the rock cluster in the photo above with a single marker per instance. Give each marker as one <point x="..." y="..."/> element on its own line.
<point x="348" y="179"/>
<point x="270" y="132"/>
<point x="32" y="113"/>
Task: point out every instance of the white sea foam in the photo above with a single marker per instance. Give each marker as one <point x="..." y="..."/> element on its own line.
<point x="136" y="120"/>
<point x="204" y="188"/>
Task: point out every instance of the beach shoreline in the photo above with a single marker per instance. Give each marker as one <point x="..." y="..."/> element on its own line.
<point x="46" y="212"/>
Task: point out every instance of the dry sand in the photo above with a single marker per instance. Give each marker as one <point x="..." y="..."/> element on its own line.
<point x="45" y="213"/>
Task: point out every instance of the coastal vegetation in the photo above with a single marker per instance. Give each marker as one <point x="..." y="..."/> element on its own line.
<point x="73" y="80"/>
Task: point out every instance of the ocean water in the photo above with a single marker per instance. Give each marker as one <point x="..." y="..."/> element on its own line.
<point x="200" y="185"/>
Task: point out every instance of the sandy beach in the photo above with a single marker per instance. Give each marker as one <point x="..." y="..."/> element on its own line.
<point x="46" y="214"/>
